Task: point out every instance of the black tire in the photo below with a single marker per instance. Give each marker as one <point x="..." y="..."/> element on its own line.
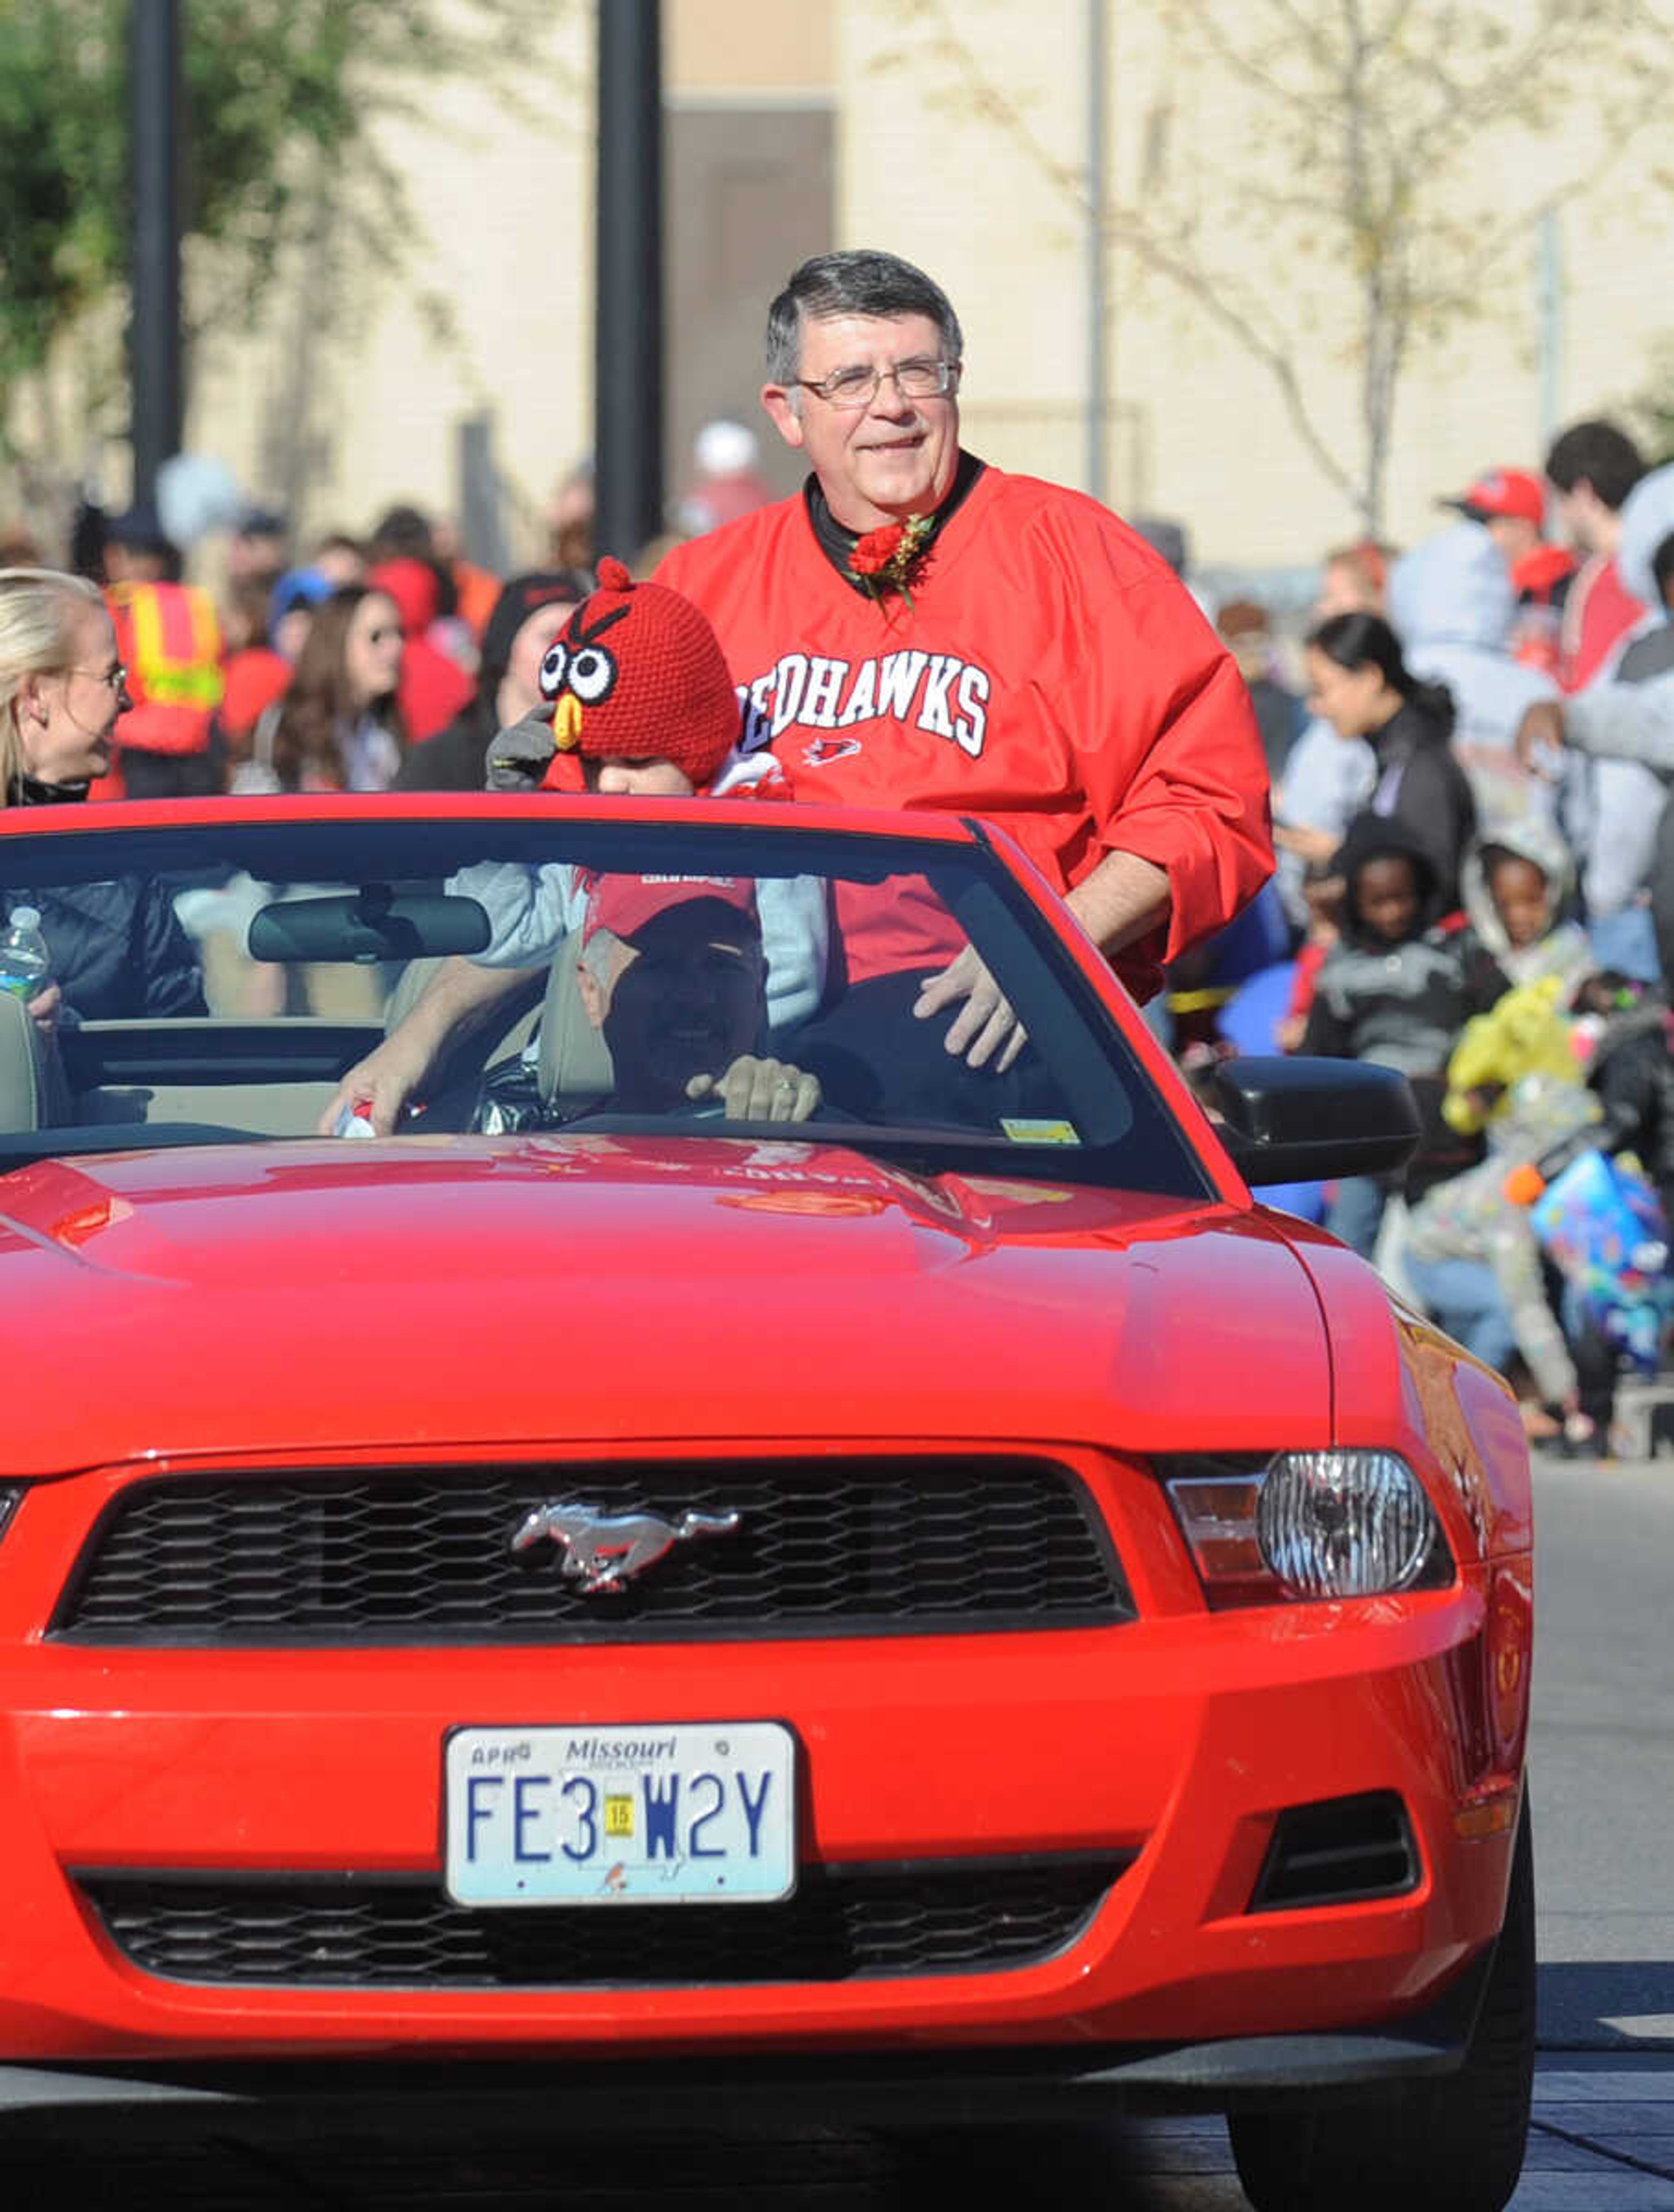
<point x="1452" y="2144"/>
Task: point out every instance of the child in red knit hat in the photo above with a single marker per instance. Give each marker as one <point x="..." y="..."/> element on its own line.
<point x="641" y="705"/>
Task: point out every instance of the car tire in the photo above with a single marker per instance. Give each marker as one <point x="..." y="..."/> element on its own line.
<point x="1451" y="2144"/>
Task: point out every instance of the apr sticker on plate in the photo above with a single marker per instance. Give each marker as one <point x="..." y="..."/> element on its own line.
<point x="1022" y="1131"/>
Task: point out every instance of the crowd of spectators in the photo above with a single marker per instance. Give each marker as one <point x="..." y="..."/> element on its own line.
<point x="1476" y="879"/>
<point x="1469" y="750"/>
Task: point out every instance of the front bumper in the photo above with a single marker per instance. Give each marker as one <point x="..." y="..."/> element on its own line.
<point x="1177" y="1739"/>
<point x="911" y="2089"/>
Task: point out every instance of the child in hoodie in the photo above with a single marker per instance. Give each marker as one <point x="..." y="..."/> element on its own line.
<point x="1397" y="989"/>
<point x="1516" y="886"/>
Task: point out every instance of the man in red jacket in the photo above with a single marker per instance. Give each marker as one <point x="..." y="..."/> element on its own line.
<point x="918" y="628"/>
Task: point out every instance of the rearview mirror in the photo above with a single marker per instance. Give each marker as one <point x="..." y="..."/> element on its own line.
<point x="1309" y="1121"/>
<point x="374" y="923"/>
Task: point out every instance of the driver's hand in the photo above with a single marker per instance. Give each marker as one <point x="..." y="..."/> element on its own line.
<point x="1539" y="733"/>
<point x="44" y="1010"/>
<point x="753" y="1089"/>
<point x="384" y="1081"/>
<point x="985" y="1025"/>
<point x="518" y="756"/>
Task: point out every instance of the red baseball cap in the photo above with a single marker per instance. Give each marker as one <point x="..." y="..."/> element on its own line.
<point x="1504" y="491"/>
<point x="625" y="904"/>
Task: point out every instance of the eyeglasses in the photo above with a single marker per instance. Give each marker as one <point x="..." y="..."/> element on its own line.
<point x="115" y="679"/>
<point x="849" y="389"/>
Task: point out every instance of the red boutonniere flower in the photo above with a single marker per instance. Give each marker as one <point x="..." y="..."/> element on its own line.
<point x="890" y="559"/>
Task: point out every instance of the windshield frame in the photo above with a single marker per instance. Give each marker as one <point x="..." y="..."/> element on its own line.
<point x="1102" y="1032"/>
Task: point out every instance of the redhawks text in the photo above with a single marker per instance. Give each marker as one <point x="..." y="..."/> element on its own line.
<point x="934" y="691"/>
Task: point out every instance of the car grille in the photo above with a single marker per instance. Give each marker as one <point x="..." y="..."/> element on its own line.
<point x="829" y="1546"/>
<point x="844" y="1923"/>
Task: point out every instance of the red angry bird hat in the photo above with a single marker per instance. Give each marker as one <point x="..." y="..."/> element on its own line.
<point x="637" y="673"/>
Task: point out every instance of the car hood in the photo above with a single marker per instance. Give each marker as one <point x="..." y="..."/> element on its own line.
<point x="335" y="1296"/>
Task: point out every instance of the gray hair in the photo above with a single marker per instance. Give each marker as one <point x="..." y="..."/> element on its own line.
<point x="857" y="282"/>
<point x="37" y="610"/>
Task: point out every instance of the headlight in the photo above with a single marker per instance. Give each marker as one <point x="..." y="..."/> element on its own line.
<point x="11" y="1497"/>
<point x="1308" y="1524"/>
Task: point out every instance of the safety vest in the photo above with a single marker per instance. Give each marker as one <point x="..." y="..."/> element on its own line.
<point x="168" y="638"/>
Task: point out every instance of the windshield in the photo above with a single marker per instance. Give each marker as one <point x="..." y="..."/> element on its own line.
<point x="229" y="980"/>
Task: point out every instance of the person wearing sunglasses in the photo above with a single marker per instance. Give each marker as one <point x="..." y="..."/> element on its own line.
<point x="339" y="728"/>
<point x="919" y="629"/>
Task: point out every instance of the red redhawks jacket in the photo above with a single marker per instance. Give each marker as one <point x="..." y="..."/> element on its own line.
<point x="1052" y="674"/>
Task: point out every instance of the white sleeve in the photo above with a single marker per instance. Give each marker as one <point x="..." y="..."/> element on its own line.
<point x="1625" y="721"/>
<point x="795" y="940"/>
<point x="795" y="911"/>
<point x="529" y="909"/>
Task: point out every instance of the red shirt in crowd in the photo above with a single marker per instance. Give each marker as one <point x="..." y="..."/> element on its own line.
<point x="1597" y="615"/>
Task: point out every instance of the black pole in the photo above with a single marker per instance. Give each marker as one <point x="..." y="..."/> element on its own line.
<point x="628" y="410"/>
<point x="154" y="124"/>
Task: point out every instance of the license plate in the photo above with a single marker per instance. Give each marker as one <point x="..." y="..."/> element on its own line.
<point x="702" y="1812"/>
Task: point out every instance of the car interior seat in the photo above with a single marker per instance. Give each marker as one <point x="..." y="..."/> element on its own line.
<point x="410" y="988"/>
<point x="575" y="1064"/>
<point x="23" y="1072"/>
<point x="500" y="1040"/>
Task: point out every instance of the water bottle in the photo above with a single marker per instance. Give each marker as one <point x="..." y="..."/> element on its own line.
<point x="25" y="965"/>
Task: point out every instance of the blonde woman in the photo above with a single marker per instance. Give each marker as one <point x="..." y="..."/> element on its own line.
<point x="62" y="687"/>
<point x="116" y="950"/>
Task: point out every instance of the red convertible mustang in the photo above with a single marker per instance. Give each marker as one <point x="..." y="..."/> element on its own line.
<point x="705" y="1550"/>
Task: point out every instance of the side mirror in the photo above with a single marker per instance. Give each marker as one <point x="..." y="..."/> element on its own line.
<point x="1309" y="1121"/>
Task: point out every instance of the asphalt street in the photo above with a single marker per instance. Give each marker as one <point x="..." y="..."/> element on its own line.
<point x="1604" y="2135"/>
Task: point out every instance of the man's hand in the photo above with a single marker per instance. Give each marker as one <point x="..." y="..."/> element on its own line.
<point x="1539" y="734"/>
<point x="457" y="1000"/>
<point x="753" y="1089"/>
<point x="44" y="1009"/>
<point x="520" y="757"/>
<point x="381" y="1085"/>
<point x="986" y="1023"/>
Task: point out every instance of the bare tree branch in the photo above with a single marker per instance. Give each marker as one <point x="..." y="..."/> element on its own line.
<point x="1383" y="109"/>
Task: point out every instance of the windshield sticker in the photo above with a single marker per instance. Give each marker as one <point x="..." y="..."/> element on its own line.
<point x="1022" y="1131"/>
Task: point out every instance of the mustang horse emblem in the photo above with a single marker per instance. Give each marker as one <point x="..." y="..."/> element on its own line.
<point x="602" y="1551"/>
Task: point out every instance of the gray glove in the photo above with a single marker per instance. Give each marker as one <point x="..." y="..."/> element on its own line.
<point x="518" y="756"/>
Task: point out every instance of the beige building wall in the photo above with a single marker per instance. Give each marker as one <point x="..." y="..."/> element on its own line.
<point x="997" y="206"/>
<point x="921" y="176"/>
<point x="1000" y="216"/>
<point x="352" y="357"/>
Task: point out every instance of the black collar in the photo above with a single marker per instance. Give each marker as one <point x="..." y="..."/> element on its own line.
<point x="27" y="791"/>
<point x="836" y="543"/>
